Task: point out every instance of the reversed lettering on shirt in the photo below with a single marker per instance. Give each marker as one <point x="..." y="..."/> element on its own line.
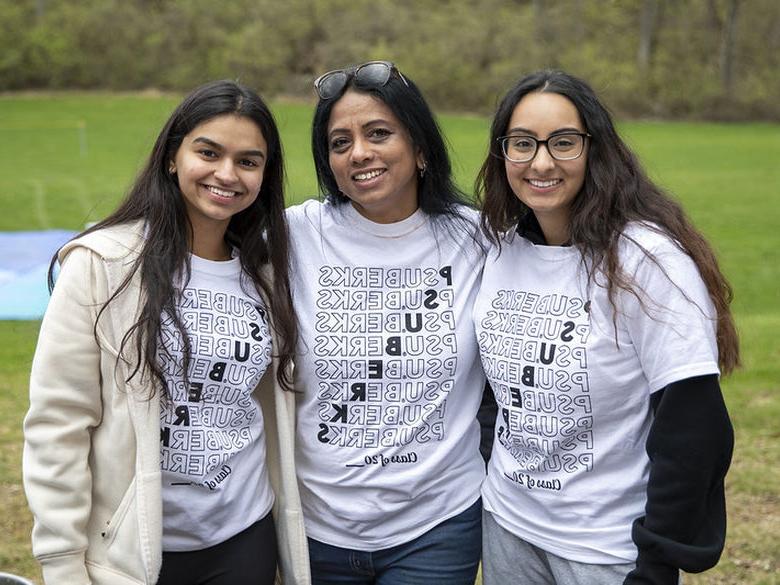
<point x="385" y="357"/>
<point x="533" y="350"/>
<point x="213" y="417"/>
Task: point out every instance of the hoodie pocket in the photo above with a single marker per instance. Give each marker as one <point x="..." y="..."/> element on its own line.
<point x="115" y="523"/>
<point x="121" y="537"/>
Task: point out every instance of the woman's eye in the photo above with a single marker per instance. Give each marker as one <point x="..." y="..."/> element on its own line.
<point x="523" y="143"/>
<point x="339" y="143"/>
<point x="248" y="163"/>
<point x="207" y="153"/>
<point x="379" y="133"/>
<point x="563" y="143"/>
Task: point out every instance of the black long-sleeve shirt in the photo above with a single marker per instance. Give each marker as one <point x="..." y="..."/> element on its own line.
<point x="690" y="445"/>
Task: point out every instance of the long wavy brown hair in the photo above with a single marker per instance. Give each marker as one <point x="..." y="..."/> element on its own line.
<point x="616" y="191"/>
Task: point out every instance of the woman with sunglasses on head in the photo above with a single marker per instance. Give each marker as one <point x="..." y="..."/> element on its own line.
<point x="385" y="276"/>
<point x="163" y="369"/>
<point x="602" y="321"/>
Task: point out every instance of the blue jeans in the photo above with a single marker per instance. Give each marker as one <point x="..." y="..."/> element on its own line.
<point x="448" y="554"/>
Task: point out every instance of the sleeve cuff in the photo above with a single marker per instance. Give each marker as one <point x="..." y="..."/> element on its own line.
<point x="70" y="569"/>
<point x="650" y="572"/>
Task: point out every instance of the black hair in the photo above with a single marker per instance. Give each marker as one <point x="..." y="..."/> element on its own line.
<point x="259" y="232"/>
<point x="437" y="193"/>
<point x="616" y="191"/>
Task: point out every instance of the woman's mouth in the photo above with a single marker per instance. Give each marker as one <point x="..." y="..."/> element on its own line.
<point x="221" y="192"/>
<point x="544" y="184"/>
<point x="368" y="175"/>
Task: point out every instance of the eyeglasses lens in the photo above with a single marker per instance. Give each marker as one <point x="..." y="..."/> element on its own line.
<point x="566" y="146"/>
<point x="524" y="148"/>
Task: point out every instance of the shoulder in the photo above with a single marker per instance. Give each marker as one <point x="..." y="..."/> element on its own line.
<point x="311" y="208"/>
<point x="462" y="225"/>
<point x="111" y="243"/>
<point x="315" y="218"/>
<point x="313" y="215"/>
<point x="645" y="240"/>
<point x="461" y="215"/>
<point x="467" y="212"/>
<point x="654" y="258"/>
<point x="648" y="236"/>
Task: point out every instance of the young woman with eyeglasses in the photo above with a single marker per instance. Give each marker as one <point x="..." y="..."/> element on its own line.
<point x="602" y="320"/>
<point x="159" y="435"/>
<point x="385" y="276"/>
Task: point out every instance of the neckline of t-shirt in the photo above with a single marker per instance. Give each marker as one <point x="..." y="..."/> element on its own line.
<point x="216" y="267"/>
<point x="554" y="253"/>
<point x="396" y="229"/>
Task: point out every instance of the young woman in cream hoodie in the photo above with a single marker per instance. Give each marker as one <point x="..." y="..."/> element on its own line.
<point x="160" y="432"/>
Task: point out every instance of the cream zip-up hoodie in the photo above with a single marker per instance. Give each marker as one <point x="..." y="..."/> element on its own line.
<point x="92" y="441"/>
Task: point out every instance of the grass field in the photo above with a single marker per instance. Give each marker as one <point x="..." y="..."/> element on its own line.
<point x="66" y="160"/>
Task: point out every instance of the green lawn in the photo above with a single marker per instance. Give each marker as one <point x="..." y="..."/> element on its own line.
<point x="66" y="160"/>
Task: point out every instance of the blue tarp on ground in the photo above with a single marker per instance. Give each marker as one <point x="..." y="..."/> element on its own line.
<point x="24" y="261"/>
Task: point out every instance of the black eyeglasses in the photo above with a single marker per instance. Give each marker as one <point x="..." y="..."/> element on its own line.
<point x="564" y="146"/>
<point x="371" y="75"/>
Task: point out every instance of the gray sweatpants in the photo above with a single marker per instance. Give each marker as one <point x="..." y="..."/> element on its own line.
<point x="509" y="560"/>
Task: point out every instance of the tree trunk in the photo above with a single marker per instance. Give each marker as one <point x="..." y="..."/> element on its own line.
<point x="545" y="42"/>
<point x="648" y="22"/>
<point x="728" y="39"/>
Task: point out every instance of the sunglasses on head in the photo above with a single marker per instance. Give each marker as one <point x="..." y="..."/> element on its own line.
<point x="371" y="75"/>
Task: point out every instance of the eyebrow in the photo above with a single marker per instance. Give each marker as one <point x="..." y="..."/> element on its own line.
<point x="363" y="126"/>
<point x="521" y="130"/>
<point x="217" y="145"/>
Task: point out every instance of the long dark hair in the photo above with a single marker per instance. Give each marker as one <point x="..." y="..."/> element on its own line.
<point x="437" y="193"/>
<point x="258" y="232"/>
<point x="616" y="191"/>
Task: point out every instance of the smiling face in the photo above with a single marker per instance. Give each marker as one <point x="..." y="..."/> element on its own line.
<point x="220" y="167"/>
<point x="547" y="186"/>
<point x="372" y="158"/>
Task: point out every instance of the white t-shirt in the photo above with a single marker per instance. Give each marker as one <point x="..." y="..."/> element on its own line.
<point x="569" y="468"/>
<point x="214" y="477"/>
<point x="388" y="366"/>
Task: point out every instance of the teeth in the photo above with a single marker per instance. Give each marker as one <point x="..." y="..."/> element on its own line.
<point x="543" y="184"/>
<point x="221" y="192"/>
<point x="368" y="175"/>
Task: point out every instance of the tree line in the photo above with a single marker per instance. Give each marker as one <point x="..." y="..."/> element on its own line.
<point x="699" y="59"/>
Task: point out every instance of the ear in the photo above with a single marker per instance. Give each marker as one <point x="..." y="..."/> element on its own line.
<point x="422" y="165"/>
<point x="171" y="168"/>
